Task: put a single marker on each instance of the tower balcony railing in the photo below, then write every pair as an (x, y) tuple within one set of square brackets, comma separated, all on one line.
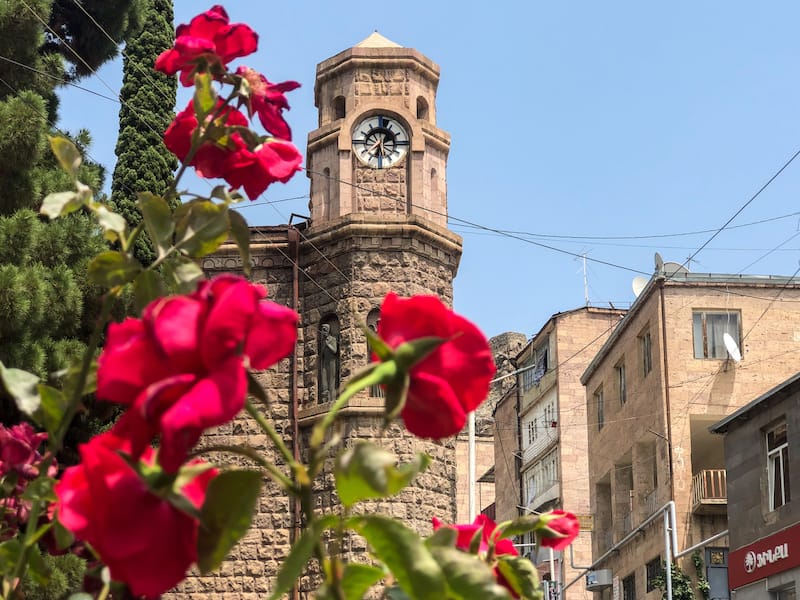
[(709, 491)]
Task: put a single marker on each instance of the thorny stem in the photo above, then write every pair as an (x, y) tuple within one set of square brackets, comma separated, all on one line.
[(253, 455), (267, 428)]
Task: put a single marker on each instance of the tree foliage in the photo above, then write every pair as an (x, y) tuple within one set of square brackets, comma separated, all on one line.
[(143, 162), (45, 311)]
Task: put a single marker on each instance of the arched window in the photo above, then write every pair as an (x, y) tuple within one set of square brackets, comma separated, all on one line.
[(328, 359), (338, 107), (422, 108), (373, 318)]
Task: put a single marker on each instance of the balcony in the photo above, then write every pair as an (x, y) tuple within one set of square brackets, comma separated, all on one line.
[(709, 492)]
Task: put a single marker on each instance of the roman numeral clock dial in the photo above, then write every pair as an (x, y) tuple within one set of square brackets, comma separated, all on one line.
[(380, 142)]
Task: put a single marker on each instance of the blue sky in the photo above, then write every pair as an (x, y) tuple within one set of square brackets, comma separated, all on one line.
[(605, 129)]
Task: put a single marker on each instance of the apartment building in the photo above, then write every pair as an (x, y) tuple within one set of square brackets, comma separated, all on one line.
[(762, 459), (540, 433), (692, 349)]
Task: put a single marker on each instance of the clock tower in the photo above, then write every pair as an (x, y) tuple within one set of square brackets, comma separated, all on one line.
[(378, 215)]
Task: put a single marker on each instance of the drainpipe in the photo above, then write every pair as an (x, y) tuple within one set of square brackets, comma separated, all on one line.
[(667, 409), (293, 238)]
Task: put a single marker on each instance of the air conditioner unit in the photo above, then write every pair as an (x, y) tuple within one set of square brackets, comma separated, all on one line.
[(598, 580)]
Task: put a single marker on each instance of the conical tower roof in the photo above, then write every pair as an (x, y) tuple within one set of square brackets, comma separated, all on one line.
[(376, 40)]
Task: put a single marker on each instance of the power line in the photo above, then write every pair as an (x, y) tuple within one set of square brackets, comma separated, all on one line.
[(61, 80), (741, 209), (143, 71)]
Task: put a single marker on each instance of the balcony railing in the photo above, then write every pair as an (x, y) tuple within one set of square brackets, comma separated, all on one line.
[(709, 491), (651, 502)]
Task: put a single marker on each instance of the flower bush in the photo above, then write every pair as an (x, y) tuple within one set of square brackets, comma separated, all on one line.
[(148, 514)]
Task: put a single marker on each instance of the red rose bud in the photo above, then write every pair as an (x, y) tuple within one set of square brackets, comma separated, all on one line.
[(557, 529)]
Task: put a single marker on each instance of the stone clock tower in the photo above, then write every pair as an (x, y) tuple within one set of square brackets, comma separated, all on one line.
[(378, 208), (377, 223)]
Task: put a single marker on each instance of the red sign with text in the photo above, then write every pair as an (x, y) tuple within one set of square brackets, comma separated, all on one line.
[(768, 556)]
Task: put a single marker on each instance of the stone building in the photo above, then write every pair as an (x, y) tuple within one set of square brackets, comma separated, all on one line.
[(378, 215), (693, 348), (762, 453), (540, 435)]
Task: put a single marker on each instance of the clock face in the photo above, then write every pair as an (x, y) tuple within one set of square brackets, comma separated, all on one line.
[(380, 142)]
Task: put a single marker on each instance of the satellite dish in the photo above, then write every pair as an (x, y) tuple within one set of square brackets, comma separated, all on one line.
[(732, 347), (659, 262), (673, 268), (638, 284)]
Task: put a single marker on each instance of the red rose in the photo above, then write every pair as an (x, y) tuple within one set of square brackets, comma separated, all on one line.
[(486, 526), (209, 158), (453, 379), (144, 540), (255, 170), (268, 101), (210, 37), (560, 529), (181, 367)]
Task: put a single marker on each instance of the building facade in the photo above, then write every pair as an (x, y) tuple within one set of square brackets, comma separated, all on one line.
[(378, 214), (540, 435), (762, 459), (693, 348)]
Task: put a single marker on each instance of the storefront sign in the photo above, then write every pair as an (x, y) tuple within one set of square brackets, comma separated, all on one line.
[(768, 556)]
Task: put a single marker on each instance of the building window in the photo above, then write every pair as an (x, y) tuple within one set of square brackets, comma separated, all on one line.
[(531, 431), (787, 593), (709, 327), (598, 400), (540, 477), (623, 392), (629, 587), (778, 465), (646, 346), (655, 571)]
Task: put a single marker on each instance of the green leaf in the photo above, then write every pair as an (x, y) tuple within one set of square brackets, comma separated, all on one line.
[(10, 552), (241, 235), (410, 353), (23, 388), (60, 203), (183, 273), (405, 555), (521, 575), (67, 154), (40, 489), (367, 471), (54, 407), (301, 552), (157, 220), (147, 286), (358, 578), (467, 575), (72, 375), (113, 225), (444, 536), (226, 514), (377, 345), (205, 97), (202, 228), (38, 569), (110, 269), (519, 526), (63, 536)]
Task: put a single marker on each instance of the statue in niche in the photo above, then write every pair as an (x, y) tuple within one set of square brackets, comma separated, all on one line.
[(373, 318), (328, 363)]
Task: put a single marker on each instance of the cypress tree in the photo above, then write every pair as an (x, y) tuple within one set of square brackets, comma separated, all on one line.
[(143, 162), (47, 304)]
